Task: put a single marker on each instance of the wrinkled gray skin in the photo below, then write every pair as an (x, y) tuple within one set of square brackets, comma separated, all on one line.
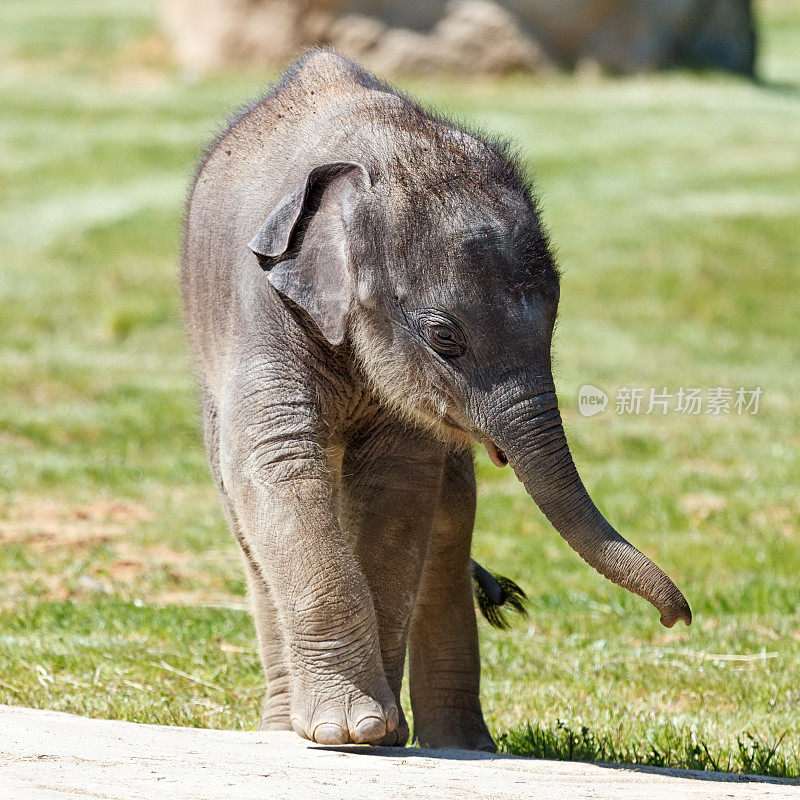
[(368, 291)]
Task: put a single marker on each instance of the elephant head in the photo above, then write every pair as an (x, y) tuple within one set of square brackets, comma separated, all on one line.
[(440, 270)]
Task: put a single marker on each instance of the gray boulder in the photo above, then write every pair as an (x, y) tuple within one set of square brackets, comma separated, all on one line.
[(627, 36), (468, 36)]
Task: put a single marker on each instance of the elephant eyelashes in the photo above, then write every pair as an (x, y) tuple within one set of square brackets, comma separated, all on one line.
[(442, 340), (441, 334)]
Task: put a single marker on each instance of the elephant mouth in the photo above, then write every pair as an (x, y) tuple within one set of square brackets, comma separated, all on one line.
[(498, 457)]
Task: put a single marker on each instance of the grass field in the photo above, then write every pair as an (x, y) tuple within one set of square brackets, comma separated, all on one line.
[(674, 203)]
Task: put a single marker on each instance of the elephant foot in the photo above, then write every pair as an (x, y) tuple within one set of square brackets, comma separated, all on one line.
[(345, 715), (275, 724), (454, 730), (275, 718), (275, 714)]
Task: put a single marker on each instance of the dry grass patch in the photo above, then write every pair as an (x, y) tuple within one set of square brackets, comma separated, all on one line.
[(46, 524)]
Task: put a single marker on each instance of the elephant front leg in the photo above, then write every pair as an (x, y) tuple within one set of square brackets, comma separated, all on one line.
[(443, 650), (282, 496), (391, 476)]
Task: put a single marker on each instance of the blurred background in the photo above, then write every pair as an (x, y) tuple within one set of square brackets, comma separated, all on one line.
[(664, 139), (481, 37)]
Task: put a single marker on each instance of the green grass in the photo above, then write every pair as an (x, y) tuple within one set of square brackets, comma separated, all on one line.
[(674, 203)]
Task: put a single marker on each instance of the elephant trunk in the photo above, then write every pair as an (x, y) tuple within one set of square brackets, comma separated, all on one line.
[(530, 435)]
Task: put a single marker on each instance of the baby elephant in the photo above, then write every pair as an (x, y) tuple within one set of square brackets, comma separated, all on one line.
[(368, 291)]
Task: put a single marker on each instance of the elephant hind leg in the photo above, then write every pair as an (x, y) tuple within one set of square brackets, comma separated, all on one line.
[(275, 710), (443, 648), (275, 713)]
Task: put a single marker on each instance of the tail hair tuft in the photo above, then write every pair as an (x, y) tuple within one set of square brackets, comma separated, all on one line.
[(496, 596)]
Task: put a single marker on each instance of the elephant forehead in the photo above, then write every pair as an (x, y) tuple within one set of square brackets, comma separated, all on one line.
[(477, 249)]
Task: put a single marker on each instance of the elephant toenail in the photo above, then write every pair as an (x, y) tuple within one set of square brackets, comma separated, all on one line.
[(370, 729), (329, 733), (392, 718)]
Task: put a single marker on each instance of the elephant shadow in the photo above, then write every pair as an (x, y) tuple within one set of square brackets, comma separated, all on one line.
[(470, 755)]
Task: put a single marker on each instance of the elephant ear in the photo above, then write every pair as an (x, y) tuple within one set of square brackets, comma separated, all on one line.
[(302, 246)]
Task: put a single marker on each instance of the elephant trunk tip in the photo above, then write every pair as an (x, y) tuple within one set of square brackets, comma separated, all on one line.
[(641, 576), (681, 611)]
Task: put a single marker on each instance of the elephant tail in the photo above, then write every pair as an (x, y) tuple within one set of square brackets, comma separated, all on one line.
[(496, 596)]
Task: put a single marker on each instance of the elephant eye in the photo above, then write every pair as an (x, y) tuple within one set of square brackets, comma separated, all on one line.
[(443, 340), (442, 335)]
